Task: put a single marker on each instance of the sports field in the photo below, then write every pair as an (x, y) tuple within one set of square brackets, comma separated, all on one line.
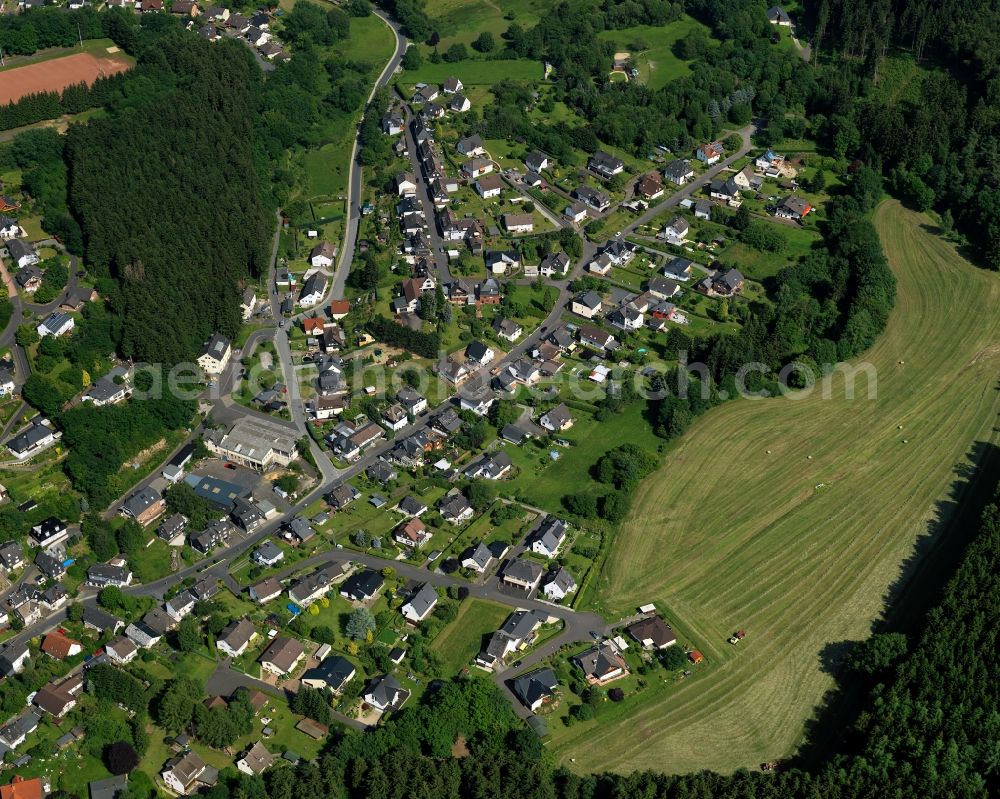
[(57, 73), (794, 519)]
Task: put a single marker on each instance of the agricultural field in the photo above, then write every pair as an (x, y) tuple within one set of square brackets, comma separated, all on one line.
[(54, 70), (772, 516)]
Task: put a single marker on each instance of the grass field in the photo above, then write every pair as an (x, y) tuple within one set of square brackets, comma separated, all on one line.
[(651, 48), (462, 639), (463, 20), (802, 547), (474, 73)]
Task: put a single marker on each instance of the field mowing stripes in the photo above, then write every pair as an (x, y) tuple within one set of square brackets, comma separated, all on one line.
[(800, 551)]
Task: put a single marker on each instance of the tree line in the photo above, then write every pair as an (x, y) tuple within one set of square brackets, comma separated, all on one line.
[(73, 99)]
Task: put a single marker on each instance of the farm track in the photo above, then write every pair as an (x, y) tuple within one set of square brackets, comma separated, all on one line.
[(725, 535)]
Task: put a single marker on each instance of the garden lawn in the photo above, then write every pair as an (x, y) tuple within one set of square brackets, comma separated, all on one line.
[(459, 642)]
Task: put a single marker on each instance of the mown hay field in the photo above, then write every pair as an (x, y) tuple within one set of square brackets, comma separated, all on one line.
[(802, 546)]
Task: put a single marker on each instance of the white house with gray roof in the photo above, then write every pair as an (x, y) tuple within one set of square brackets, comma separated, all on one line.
[(420, 604)]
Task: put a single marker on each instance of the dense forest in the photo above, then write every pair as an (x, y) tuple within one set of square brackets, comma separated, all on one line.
[(168, 194)]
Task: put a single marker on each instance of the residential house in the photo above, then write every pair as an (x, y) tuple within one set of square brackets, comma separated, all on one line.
[(282, 656), (524, 574), (650, 186), (385, 693), (9, 228), (101, 621), (535, 688), (729, 283), (216, 534), (459, 103), (111, 389), (479, 354), (517, 631), (215, 354), (602, 664), (362, 586), (676, 232), (425, 94), (344, 494), (507, 329), (576, 212), (266, 590), (662, 288), (48, 532), (724, 190), (29, 278), (180, 605), (411, 507), (518, 223), (332, 674), (56, 324), (536, 162), (548, 538), (143, 506), (10, 556), (267, 554), (710, 153), (49, 566), (679, 269), (121, 650), (597, 339), (236, 637), (299, 531), (184, 8), (679, 172), (703, 210), (54, 700), (743, 178), (455, 508), (381, 472), (323, 255), (313, 289), (627, 317), (58, 646), (395, 418), (452, 85), (777, 16), (605, 164), (311, 587), (421, 604), (769, 161), (501, 262), (494, 466), (477, 167), (792, 207), (471, 146), (185, 772), (593, 198), (102, 574), (587, 305), (406, 184), (246, 515), (559, 584), (652, 632), (557, 419), (412, 401), (479, 400), (555, 264), (142, 635), (7, 384), (412, 534), (255, 760), (477, 558), (22, 253)]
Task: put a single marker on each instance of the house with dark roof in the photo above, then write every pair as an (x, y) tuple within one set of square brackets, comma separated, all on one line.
[(420, 604), (362, 586), (535, 688), (332, 674), (559, 584), (455, 508), (144, 505), (605, 164), (652, 632), (385, 694), (282, 656), (236, 637), (549, 537), (678, 171), (602, 664), (523, 574), (102, 574)]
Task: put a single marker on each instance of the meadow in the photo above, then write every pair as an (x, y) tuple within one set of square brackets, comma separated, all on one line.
[(652, 49), (459, 642), (800, 520)]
